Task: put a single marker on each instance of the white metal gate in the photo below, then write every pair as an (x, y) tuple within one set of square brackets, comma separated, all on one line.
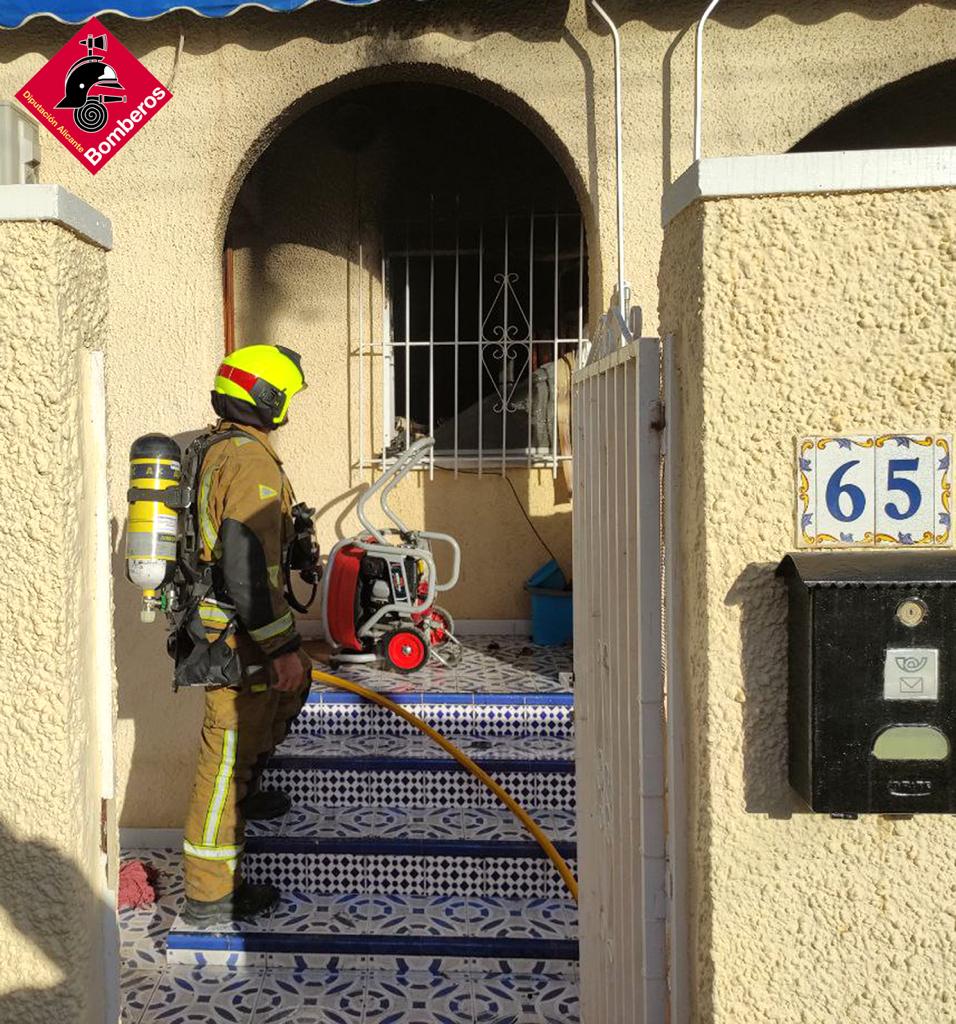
[(619, 710)]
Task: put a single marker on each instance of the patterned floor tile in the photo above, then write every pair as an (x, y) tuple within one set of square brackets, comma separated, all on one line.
[(530, 999), (143, 933), (136, 991), (310, 912), (420, 915), (492, 823), (371, 822), (488, 665), (207, 996), (499, 823), (230, 960), (311, 997), (494, 917), (418, 999)]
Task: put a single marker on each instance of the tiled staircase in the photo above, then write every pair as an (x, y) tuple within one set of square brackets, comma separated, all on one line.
[(409, 894)]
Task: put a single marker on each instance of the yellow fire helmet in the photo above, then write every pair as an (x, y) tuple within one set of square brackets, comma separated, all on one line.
[(264, 377)]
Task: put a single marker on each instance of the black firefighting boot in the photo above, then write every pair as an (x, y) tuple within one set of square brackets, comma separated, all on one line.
[(244, 904), (264, 804)]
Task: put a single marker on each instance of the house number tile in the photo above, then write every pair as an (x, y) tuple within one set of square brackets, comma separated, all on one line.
[(874, 490)]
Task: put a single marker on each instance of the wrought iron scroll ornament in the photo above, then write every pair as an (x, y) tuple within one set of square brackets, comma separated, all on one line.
[(508, 342)]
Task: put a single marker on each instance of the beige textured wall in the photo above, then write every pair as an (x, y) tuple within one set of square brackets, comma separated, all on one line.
[(772, 76), (52, 886), (851, 322)]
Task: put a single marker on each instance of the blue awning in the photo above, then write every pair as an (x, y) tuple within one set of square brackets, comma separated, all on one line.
[(14, 13)]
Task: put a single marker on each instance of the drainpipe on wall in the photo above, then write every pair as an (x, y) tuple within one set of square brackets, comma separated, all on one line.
[(622, 302), (699, 78), (228, 300)]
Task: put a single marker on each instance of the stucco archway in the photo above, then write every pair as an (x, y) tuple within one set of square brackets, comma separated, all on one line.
[(312, 230), (916, 110), (486, 89)]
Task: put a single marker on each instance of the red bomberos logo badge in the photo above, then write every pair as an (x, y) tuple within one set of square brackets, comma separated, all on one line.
[(93, 95)]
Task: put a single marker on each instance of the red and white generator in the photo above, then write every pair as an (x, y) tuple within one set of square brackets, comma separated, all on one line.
[(378, 594)]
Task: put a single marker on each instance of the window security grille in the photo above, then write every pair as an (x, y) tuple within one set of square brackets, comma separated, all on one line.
[(482, 323)]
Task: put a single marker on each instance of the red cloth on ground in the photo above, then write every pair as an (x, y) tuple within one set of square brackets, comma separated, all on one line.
[(136, 884)]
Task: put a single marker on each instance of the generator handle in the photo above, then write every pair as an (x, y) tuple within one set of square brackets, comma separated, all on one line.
[(444, 538), (387, 482)]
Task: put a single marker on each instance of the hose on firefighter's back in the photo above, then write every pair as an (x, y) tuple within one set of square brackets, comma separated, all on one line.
[(466, 762)]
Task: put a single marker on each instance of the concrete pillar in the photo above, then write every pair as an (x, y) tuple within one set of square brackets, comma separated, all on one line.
[(57, 827), (795, 315)]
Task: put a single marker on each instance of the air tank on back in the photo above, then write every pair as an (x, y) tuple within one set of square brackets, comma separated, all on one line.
[(155, 464)]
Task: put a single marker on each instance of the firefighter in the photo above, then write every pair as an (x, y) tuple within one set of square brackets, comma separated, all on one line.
[(244, 510)]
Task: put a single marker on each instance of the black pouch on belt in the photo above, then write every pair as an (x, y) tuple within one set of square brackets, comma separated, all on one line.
[(199, 661)]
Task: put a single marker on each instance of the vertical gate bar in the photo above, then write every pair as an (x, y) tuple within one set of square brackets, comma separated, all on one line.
[(504, 352), (431, 337), (385, 382), (361, 365), (612, 709), (604, 710), (677, 813), (631, 635), (530, 327), (611, 694), (408, 343), (554, 358), (653, 811), (626, 576), (457, 297), (481, 343)]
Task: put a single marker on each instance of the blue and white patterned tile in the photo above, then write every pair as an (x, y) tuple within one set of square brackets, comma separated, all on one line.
[(499, 823), (284, 870), (327, 963), (452, 876), (327, 823), (488, 665), (311, 997), (531, 999), (136, 991), (272, 827), (375, 822), (185, 996), (558, 823), (494, 917), (143, 933), (550, 720), (231, 960), (338, 873), (312, 912), (425, 823), (492, 823), (449, 966), (420, 915), (522, 878), (418, 999)]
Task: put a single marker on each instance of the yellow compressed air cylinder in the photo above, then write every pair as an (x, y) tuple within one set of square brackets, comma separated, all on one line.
[(155, 464)]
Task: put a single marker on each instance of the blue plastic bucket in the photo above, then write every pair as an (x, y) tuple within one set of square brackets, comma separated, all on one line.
[(552, 616)]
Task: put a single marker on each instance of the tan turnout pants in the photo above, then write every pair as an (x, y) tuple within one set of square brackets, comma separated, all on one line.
[(241, 728)]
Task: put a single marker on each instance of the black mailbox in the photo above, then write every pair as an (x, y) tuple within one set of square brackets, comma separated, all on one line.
[(872, 651)]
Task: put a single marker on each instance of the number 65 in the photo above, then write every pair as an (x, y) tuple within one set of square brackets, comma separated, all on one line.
[(836, 489)]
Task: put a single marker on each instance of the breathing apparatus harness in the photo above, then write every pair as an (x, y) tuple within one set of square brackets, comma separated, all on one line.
[(168, 503)]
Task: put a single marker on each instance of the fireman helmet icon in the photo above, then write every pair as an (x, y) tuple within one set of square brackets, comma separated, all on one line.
[(89, 73)]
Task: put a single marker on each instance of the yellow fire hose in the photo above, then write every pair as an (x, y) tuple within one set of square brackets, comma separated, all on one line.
[(466, 762)]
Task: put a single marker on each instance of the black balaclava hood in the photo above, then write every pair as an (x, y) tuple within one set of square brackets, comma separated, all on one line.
[(227, 407)]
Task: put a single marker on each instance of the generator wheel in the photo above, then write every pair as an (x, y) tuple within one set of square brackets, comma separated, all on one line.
[(406, 649), (440, 625)]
